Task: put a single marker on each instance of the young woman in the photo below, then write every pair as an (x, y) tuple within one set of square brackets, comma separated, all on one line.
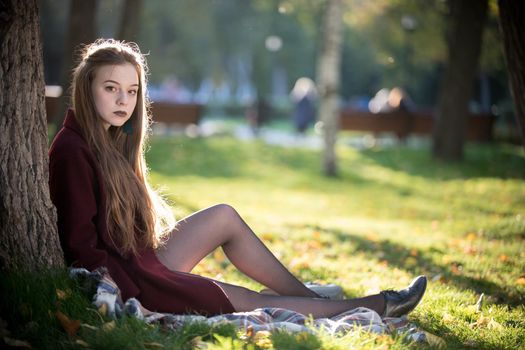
[(108, 215)]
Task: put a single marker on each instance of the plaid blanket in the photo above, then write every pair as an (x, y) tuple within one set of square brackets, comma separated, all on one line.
[(106, 295)]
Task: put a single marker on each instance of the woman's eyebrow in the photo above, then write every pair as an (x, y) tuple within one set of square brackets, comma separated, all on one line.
[(115, 82)]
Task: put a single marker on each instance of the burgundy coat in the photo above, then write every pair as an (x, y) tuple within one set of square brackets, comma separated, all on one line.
[(78, 192)]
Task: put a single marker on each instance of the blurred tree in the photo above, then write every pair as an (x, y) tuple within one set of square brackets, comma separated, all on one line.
[(28, 232), (512, 19), (130, 20), (328, 78), (467, 18), (81, 30)]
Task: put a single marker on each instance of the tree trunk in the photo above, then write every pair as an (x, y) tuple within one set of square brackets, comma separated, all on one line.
[(81, 30), (466, 22), (28, 233), (512, 24), (328, 77), (130, 20)]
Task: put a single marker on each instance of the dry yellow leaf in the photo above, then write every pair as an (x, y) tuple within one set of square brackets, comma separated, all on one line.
[(109, 326), (471, 236), (448, 318), (103, 309), (70, 326), (494, 325), (153, 345), (61, 295), (521, 281), (503, 258), (249, 332), (82, 343), (262, 339)]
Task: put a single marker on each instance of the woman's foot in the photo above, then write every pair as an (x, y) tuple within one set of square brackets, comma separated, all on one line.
[(398, 303)]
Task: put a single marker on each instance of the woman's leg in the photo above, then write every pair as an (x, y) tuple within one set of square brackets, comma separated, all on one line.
[(244, 299), (200, 233)]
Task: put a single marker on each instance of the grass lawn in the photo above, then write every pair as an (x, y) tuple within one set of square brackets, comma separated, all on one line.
[(391, 214)]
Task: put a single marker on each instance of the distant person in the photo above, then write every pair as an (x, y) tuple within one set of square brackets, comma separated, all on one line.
[(399, 100), (109, 215), (386, 100), (258, 114), (303, 95)]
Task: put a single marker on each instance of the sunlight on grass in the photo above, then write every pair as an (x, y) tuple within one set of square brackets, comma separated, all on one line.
[(391, 214)]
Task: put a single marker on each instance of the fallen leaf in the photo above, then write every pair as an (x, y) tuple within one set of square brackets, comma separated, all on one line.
[(471, 236), (196, 342), (262, 339), (521, 281), (70, 326), (414, 252), (503, 258), (82, 343), (481, 322), (446, 259), (249, 332), (372, 236), (494, 325), (383, 263), (17, 343), (314, 245), (455, 269), (218, 255), (268, 237), (448, 318), (434, 340), (88, 326), (470, 250), (153, 345), (61, 295), (411, 261), (103, 309), (108, 326)]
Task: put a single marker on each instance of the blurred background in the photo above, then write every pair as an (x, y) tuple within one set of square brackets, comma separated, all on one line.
[(239, 60)]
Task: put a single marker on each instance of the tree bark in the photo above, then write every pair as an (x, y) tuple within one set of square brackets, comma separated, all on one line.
[(28, 233), (512, 24), (81, 30), (130, 20), (328, 78), (466, 22)]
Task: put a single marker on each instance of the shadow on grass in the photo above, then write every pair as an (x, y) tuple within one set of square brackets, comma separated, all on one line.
[(421, 263), (493, 160)]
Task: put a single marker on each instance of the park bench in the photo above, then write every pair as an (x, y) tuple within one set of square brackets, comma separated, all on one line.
[(404, 123), (176, 114)]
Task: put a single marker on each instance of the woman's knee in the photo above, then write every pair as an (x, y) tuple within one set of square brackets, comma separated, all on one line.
[(225, 213)]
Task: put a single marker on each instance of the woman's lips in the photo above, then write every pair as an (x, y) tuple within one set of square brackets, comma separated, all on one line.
[(121, 113)]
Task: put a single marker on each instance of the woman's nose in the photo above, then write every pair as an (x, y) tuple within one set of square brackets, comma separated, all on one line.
[(122, 98)]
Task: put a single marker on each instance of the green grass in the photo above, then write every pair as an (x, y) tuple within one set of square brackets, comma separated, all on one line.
[(390, 214)]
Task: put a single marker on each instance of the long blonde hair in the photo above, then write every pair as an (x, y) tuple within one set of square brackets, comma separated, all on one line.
[(137, 217)]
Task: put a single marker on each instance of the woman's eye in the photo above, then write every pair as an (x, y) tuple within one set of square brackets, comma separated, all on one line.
[(133, 92), (110, 88)]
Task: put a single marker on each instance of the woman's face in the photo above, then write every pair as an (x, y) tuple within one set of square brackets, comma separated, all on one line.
[(115, 90)]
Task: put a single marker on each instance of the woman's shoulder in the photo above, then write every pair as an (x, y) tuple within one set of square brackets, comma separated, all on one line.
[(69, 143)]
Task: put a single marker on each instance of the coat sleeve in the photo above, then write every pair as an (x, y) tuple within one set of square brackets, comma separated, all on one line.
[(74, 191)]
